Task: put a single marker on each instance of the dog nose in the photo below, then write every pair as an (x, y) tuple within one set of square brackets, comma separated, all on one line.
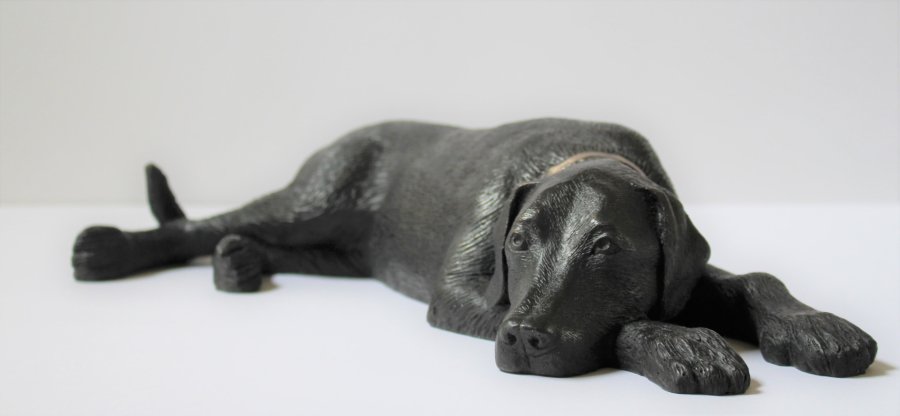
[(533, 339)]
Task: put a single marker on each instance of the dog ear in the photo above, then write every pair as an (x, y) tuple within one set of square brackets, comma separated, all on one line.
[(683, 252), (497, 290)]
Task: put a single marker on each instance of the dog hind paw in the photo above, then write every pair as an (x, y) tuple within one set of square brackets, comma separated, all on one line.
[(102, 253), (239, 265)]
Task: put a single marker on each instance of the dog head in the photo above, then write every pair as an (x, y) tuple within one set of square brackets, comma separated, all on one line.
[(581, 253)]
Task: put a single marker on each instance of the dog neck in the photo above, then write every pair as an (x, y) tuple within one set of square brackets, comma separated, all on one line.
[(578, 157)]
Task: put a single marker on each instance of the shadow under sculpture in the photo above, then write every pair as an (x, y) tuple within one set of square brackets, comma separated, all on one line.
[(561, 240)]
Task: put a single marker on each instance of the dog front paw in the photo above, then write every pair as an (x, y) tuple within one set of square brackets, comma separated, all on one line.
[(682, 360), (102, 253), (816, 342), (239, 264)]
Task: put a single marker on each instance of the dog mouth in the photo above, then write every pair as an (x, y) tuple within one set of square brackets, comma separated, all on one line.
[(524, 347), (551, 363), (527, 356)]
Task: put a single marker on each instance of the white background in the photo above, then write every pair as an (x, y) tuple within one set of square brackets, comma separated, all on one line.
[(777, 121), (744, 101)]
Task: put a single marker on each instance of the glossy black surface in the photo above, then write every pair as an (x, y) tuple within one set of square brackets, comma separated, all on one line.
[(568, 272)]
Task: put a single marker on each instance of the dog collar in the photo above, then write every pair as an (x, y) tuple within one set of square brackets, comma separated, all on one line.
[(578, 157)]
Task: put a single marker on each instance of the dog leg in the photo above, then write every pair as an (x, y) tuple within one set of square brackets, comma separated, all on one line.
[(103, 252), (241, 263), (682, 360), (328, 203), (758, 308), (459, 303), (465, 312)]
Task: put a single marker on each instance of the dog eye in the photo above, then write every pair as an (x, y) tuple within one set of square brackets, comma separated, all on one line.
[(517, 241), (604, 245)]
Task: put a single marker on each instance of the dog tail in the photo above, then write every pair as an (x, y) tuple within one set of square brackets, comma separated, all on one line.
[(162, 202)]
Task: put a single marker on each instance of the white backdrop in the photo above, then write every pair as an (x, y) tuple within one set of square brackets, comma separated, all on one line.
[(744, 101)]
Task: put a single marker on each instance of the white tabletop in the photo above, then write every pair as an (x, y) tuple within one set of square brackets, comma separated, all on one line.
[(167, 343)]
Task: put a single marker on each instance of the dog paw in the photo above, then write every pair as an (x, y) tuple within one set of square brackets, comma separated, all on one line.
[(701, 362), (239, 264), (102, 253), (683, 360), (818, 343)]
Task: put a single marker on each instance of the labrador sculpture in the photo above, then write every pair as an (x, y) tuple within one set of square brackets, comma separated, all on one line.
[(561, 240)]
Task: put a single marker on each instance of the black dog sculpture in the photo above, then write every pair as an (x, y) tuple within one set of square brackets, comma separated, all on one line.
[(562, 240)]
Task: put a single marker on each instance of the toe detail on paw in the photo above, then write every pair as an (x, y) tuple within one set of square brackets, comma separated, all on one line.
[(818, 343), (101, 253), (239, 265), (698, 361), (716, 377)]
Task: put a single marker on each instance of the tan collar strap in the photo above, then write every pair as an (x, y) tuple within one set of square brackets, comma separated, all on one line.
[(578, 157)]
